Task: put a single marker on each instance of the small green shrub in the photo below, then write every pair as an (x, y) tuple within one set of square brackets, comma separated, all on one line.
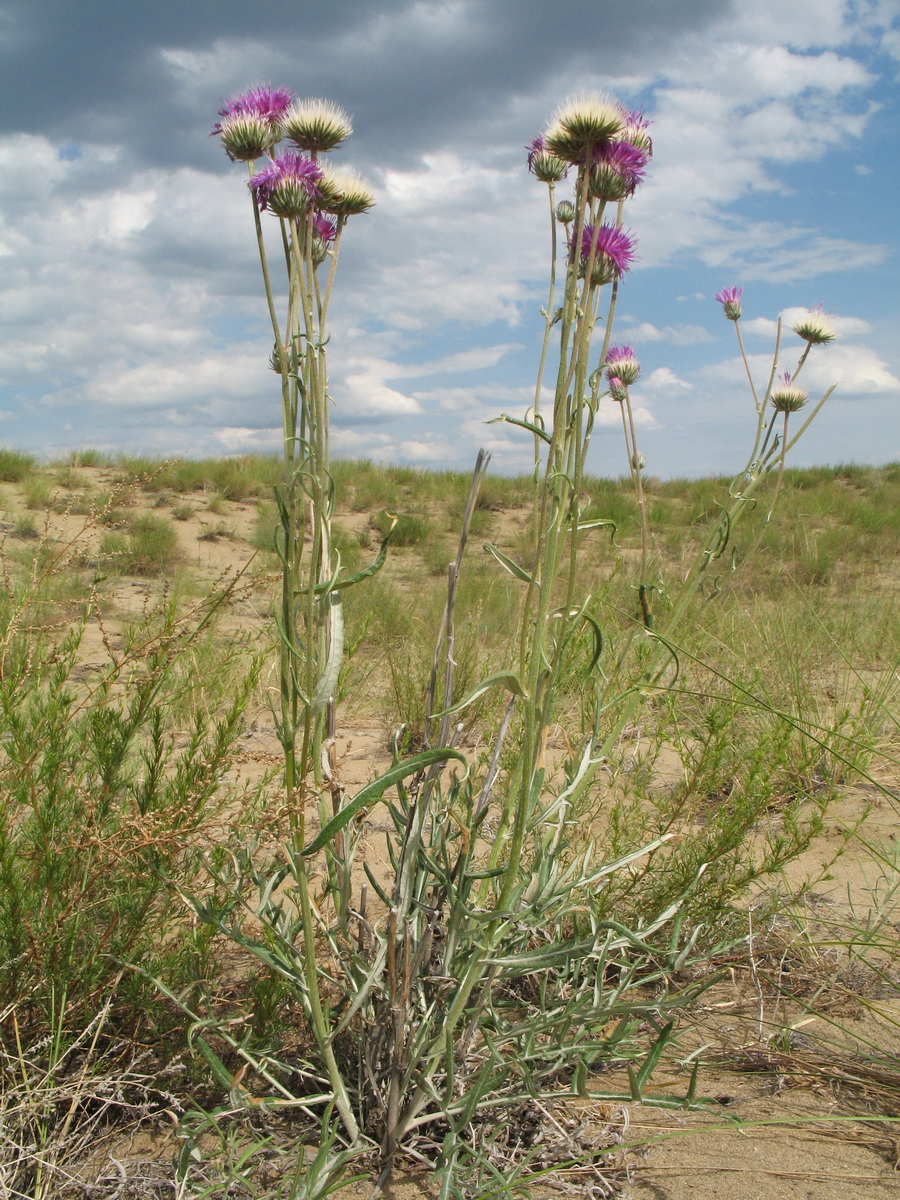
[(104, 792)]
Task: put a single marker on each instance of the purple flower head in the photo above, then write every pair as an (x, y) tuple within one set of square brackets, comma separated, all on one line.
[(786, 396), (635, 131), (614, 252), (730, 299), (534, 148), (324, 227), (543, 164), (618, 167), (269, 103), (251, 123), (287, 185), (621, 362)]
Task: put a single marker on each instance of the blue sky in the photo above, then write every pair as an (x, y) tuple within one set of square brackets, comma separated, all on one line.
[(131, 312)]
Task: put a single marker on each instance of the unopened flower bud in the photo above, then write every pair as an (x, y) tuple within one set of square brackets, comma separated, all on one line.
[(565, 212), (787, 397), (618, 389), (638, 461)]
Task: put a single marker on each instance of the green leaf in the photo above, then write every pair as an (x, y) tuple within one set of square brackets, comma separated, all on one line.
[(507, 679), (598, 640), (508, 564), (599, 523), (537, 430), (375, 790), (373, 568)]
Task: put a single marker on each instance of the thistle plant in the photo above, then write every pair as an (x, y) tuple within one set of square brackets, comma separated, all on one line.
[(481, 968), (311, 204)]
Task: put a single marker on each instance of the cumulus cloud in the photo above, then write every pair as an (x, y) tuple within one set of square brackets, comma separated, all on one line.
[(663, 379), (677, 335), (130, 292), (856, 370)]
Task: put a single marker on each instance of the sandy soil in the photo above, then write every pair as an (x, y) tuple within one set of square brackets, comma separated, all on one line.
[(774, 1130)]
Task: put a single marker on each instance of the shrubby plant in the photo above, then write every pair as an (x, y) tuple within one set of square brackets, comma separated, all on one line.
[(484, 968)]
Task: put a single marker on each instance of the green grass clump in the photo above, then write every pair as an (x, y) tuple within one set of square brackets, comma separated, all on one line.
[(15, 465), (410, 529), (38, 491), (149, 547), (232, 478)]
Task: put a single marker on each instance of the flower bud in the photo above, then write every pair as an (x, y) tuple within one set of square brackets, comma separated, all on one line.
[(618, 389), (638, 461), (565, 212)]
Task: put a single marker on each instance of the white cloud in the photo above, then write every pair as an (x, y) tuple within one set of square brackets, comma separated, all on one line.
[(843, 326), (663, 379), (677, 335), (365, 394), (759, 326), (856, 370), (238, 440), (490, 399), (132, 295)]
